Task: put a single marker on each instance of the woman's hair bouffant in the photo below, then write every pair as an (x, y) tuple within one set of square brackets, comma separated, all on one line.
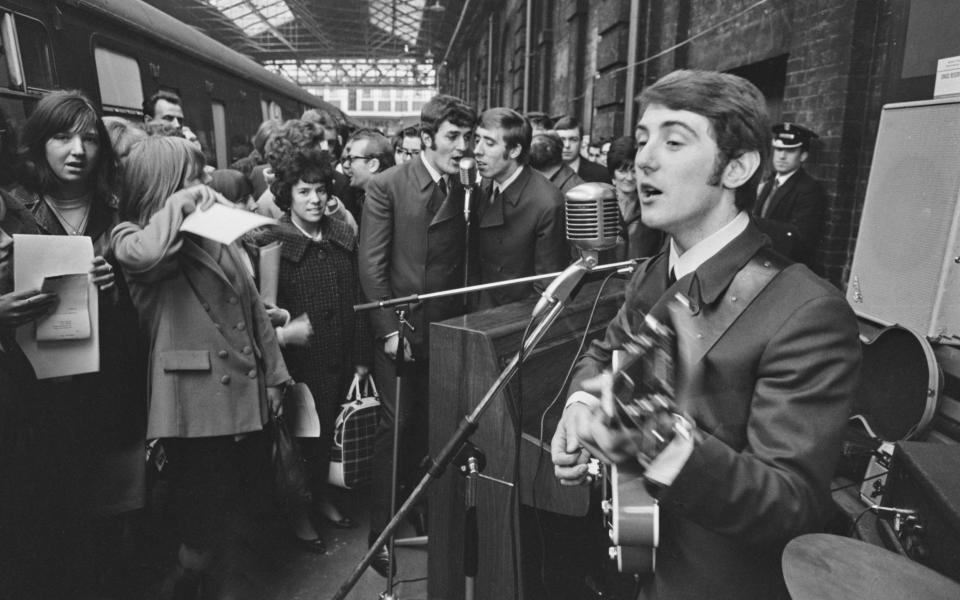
[(309, 166)]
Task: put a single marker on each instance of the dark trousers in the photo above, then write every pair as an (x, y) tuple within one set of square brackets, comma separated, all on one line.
[(212, 479), (413, 420)]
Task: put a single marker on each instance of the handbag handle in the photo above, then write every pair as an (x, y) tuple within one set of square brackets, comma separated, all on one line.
[(355, 393)]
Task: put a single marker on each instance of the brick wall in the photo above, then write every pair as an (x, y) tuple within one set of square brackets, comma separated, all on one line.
[(837, 55)]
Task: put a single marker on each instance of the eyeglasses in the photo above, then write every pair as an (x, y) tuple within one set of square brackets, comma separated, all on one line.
[(408, 153), (349, 159)]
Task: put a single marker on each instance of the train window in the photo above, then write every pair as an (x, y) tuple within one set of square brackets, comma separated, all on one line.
[(220, 133), (35, 54), (275, 111), (11, 73), (119, 75)]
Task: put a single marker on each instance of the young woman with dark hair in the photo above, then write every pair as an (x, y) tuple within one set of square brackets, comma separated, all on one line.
[(89, 463), (318, 277)]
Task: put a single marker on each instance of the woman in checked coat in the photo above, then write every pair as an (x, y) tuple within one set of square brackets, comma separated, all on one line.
[(318, 277)]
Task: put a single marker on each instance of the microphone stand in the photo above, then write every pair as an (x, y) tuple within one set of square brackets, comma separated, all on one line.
[(467, 196), (553, 305)]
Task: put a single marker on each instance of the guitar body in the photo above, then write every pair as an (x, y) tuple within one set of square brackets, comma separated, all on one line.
[(634, 521)]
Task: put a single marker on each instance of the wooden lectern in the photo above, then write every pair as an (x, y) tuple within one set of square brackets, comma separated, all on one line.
[(466, 356)]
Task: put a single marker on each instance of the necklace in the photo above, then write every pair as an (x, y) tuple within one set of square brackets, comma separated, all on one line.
[(80, 205)]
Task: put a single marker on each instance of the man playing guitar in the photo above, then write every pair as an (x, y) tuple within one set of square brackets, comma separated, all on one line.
[(766, 364)]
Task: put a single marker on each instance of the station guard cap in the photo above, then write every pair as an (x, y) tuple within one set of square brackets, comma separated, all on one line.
[(791, 135)]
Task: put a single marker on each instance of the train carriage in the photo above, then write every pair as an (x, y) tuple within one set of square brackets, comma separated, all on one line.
[(119, 52)]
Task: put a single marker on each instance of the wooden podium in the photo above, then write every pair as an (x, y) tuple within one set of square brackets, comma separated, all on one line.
[(466, 355)]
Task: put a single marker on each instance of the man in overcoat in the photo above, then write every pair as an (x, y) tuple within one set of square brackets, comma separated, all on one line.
[(792, 203), (413, 242), (521, 219), (767, 355)]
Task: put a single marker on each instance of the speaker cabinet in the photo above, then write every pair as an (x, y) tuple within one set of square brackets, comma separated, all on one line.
[(906, 265)]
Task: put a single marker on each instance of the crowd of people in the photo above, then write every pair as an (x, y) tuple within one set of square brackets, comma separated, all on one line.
[(195, 366)]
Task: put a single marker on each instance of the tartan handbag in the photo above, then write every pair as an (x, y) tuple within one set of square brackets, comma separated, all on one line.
[(351, 457)]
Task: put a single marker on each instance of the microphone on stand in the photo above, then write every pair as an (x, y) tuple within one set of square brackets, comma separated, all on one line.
[(593, 223), (468, 179)]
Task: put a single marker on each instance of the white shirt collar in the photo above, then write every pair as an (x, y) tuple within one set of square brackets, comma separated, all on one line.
[(511, 179), (781, 179), (575, 163), (315, 238), (705, 249), (435, 175)]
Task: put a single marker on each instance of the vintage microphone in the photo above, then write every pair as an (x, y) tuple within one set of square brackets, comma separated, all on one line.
[(593, 224), (468, 179)]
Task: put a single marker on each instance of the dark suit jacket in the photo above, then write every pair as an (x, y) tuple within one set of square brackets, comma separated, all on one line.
[(565, 178), (412, 242), (591, 171), (770, 400), (799, 208), (522, 233)]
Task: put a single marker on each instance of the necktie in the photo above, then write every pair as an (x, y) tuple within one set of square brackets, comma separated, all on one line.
[(767, 197), (442, 184), (671, 277), (495, 195)]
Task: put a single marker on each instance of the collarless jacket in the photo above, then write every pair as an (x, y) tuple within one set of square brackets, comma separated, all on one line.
[(520, 233), (213, 351), (412, 242), (770, 398)]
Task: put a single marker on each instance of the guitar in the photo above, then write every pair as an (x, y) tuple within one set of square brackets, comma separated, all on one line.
[(642, 405)]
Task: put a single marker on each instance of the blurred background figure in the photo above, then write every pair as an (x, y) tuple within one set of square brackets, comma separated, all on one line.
[(636, 239)]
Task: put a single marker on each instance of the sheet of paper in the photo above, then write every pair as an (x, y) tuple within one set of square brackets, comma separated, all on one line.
[(269, 272), (36, 257), (70, 319), (223, 224)]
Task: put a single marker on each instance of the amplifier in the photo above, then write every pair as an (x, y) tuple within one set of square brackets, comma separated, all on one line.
[(925, 478)]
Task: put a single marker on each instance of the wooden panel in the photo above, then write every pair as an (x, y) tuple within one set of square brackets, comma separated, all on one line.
[(466, 356)]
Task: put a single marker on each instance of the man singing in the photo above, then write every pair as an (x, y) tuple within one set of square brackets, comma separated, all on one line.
[(521, 230), (771, 354), (413, 242)]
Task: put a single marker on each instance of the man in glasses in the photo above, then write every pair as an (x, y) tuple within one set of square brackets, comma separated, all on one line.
[(367, 152), (406, 145)]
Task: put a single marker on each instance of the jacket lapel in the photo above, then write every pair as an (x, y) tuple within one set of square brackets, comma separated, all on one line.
[(782, 192), (494, 213)]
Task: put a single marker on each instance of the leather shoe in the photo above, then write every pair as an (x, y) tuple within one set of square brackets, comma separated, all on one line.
[(381, 562), (344, 523), (315, 546)]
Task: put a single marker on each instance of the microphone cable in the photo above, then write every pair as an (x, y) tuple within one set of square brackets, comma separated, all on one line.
[(543, 416)]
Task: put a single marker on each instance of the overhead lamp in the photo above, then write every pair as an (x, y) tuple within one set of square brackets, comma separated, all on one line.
[(436, 7)]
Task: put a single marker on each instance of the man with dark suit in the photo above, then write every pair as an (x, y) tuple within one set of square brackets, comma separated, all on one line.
[(413, 241), (521, 225), (792, 204), (546, 157), (571, 134), (767, 355)]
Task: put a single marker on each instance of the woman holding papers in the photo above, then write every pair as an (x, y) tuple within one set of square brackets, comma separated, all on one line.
[(90, 427), (318, 278), (215, 369)]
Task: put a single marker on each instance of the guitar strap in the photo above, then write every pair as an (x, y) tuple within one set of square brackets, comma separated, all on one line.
[(698, 332)]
